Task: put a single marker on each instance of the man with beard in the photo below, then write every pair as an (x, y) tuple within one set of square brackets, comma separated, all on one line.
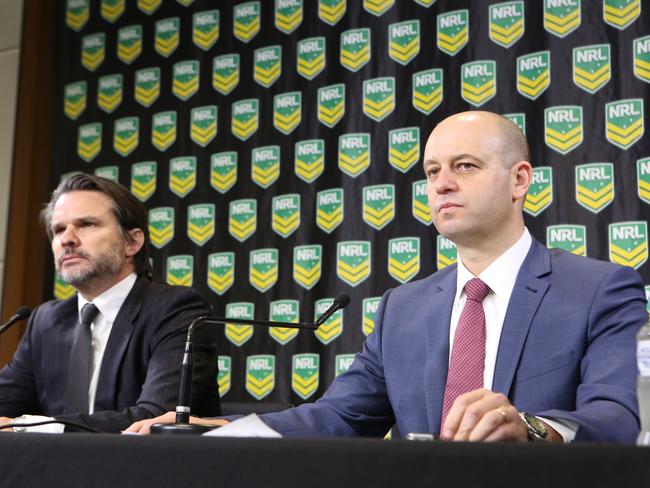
[(110, 355)]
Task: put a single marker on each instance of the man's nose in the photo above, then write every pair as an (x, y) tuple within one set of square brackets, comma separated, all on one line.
[(445, 181), (69, 237)]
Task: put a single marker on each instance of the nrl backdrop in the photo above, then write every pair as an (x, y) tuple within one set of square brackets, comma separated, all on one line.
[(278, 147)]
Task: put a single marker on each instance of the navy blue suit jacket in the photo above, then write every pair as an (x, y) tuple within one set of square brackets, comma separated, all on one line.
[(567, 350)]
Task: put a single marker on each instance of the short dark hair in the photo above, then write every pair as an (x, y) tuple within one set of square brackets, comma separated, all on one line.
[(129, 212)]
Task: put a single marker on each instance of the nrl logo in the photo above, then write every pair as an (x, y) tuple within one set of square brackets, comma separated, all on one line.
[(343, 362), (260, 375), (186, 79), (129, 43), (111, 10), (519, 120), (77, 13), (331, 11), (284, 311), (571, 238), (245, 117), (404, 42), (221, 271), (200, 223), (309, 161), (242, 219), (369, 307), (307, 265), (161, 226), (167, 36), (93, 51), (540, 192), (205, 29), (378, 98), (304, 374), (404, 148), (286, 214), (223, 170), (288, 15), (287, 111), (625, 124), (333, 327), (180, 270), (246, 20), (331, 104), (109, 92), (265, 162), (533, 74), (561, 17), (268, 65), (427, 90), (185, 3), (143, 180), (63, 290), (628, 243), (446, 252), (353, 261), (147, 86), (75, 99), (89, 141), (621, 13), (641, 48), (149, 6), (453, 31), (204, 124), (404, 258), (126, 133), (225, 73), (235, 333), (563, 128), (182, 175), (506, 23), (355, 49), (109, 172), (224, 376), (354, 153), (329, 209), (263, 269), (595, 185), (643, 179), (377, 7), (420, 202), (311, 57), (591, 67), (479, 82), (378, 205), (163, 130)]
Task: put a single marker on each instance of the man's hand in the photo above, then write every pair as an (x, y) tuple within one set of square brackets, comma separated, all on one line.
[(143, 426), (4, 421)]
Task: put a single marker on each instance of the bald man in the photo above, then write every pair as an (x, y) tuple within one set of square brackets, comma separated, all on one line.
[(515, 342)]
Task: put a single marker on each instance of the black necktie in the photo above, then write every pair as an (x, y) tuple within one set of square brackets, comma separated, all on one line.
[(79, 365)]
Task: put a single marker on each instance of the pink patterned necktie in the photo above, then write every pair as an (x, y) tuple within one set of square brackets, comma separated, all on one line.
[(468, 351)]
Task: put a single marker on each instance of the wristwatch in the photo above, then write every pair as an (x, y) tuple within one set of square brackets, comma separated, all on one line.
[(537, 431)]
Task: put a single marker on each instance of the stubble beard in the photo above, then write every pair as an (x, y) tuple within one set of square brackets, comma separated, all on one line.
[(98, 267)]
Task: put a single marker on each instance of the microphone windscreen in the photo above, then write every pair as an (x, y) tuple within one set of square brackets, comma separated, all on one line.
[(23, 312), (343, 300)]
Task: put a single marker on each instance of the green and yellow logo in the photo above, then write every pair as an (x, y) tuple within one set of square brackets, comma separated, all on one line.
[(223, 170), (242, 219), (268, 65), (329, 209), (287, 111), (260, 374), (563, 128), (109, 92), (161, 226), (149, 6), (63, 290), (540, 192), (404, 41), (77, 13), (311, 57), (265, 165), (355, 49), (129, 43), (163, 130), (109, 172), (343, 361), (167, 36), (288, 15), (628, 243), (221, 271), (378, 205), (427, 90), (643, 179), (571, 238), (425, 3), (479, 82), (354, 153), (621, 13), (331, 104), (309, 160), (284, 311), (446, 252), (625, 123), (111, 10), (307, 265), (519, 119), (75, 99), (404, 258), (147, 86), (225, 73), (353, 261), (453, 31), (224, 376), (286, 214), (180, 270), (200, 222), (304, 374), (333, 327), (236, 333), (331, 11), (533, 74), (506, 23), (185, 3), (143, 180), (186, 79), (126, 132), (642, 58), (182, 175), (246, 20), (245, 118), (595, 185), (263, 269), (204, 124), (561, 17), (377, 7), (89, 141), (420, 202), (205, 29), (592, 67), (404, 148), (378, 98), (93, 50), (369, 313)]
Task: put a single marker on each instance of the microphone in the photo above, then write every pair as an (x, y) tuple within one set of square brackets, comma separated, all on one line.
[(182, 425), (22, 313)]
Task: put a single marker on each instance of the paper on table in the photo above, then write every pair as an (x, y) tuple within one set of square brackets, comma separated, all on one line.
[(249, 426)]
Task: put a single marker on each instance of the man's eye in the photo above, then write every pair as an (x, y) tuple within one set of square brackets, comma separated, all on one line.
[(431, 172), (465, 165)]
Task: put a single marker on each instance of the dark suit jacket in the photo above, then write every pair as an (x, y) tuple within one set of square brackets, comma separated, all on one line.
[(139, 373), (567, 350)]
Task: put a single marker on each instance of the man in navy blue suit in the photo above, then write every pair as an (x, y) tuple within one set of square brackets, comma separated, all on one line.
[(515, 342)]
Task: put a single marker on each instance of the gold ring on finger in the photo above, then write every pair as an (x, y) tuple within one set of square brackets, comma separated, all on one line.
[(504, 414)]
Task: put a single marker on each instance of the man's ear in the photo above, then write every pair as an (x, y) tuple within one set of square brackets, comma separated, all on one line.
[(134, 242), (522, 172)]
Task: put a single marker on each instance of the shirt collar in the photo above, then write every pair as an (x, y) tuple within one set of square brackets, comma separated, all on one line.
[(110, 302)]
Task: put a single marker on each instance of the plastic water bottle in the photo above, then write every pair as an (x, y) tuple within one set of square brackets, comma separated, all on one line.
[(643, 383)]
